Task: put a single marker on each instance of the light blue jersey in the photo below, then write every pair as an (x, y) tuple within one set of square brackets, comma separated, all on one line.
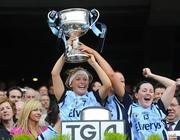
[(71, 106), (146, 121), (48, 134)]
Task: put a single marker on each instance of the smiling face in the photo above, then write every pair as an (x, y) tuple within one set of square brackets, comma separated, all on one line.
[(145, 95), (36, 114), (6, 111), (80, 84)]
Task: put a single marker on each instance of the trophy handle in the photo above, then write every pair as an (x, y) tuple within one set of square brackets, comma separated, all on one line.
[(52, 17), (94, 12)]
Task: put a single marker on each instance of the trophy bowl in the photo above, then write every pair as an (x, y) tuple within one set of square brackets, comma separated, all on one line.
[(74, 23)]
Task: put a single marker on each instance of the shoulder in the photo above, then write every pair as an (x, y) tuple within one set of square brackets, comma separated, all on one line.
[(92, 93), (67, 93), (127, 101), (4, 134)]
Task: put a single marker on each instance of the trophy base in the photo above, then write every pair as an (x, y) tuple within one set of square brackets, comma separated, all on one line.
[(76, 58)]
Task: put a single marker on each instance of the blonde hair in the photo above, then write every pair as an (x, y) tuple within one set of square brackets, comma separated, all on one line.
[(28, 107), (71, 72)]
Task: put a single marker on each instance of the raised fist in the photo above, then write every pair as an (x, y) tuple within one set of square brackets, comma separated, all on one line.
[(146, 72)]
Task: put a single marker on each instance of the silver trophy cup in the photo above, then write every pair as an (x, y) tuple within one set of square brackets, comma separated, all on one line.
[(75, 22)]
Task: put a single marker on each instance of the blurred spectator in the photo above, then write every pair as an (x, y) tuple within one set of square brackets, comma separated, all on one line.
[(173, 118), (45, 101), (7, 111), (28, 122), (30, 93), (2, 94), (43, 90), (173, 111), (14, 94), (158, 91)]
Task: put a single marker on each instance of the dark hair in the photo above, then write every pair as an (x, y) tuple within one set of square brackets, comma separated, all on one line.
[(14, 88), (53, 114), (137, 87), (159, 85), (93, 84)]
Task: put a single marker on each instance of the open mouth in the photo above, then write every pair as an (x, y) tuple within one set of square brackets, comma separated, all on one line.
[(147, 98), (81, 87)]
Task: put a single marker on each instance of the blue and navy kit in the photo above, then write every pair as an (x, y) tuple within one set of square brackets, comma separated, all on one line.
[(147, 121), (118, 111), (71, 105), (113, 104)]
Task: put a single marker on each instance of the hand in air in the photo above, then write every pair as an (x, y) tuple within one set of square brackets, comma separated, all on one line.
[(146, 72)]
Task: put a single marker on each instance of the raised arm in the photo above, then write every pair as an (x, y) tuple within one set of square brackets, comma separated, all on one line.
[(168, 83), (115, 80), (58, 85), (106, 83)]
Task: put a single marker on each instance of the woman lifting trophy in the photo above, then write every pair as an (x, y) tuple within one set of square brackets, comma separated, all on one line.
[(74, 23)]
